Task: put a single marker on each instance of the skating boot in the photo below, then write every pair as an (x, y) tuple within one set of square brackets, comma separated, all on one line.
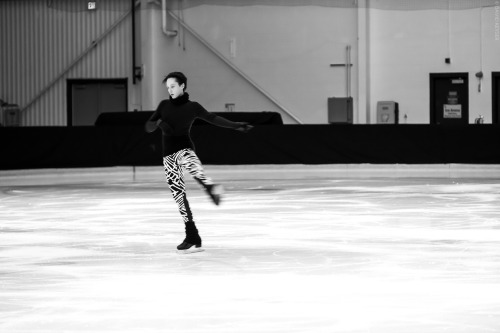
[(192, 242)]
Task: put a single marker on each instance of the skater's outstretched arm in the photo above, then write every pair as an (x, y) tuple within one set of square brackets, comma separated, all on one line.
[(239, 126), (223, 122)]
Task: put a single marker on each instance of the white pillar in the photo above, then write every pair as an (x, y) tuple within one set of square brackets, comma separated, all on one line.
[(364, 100), (150, 35)]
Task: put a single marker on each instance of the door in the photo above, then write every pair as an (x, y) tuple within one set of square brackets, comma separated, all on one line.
[(449, 104), (496, 97), (87, 99)]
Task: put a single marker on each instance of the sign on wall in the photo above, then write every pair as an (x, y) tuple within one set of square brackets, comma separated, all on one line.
[(452, 111)]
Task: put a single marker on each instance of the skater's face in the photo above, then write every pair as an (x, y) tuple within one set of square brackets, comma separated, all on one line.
[(174, 89)]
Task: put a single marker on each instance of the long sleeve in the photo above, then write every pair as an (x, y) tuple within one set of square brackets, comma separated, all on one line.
[(152, 123), (175, 120), (223, 122), (216, 120), (151, 126)]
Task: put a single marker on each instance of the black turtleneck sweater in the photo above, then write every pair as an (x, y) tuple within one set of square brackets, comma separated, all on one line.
[(175, 118)]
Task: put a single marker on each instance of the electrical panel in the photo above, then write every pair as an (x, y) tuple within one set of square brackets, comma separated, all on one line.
[(387, 112), (340, 110), (10, 115)]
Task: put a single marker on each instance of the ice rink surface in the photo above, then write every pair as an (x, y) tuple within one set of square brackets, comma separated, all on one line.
[(291, 249)]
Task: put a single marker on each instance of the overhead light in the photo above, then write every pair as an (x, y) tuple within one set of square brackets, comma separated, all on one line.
[(92, 5)]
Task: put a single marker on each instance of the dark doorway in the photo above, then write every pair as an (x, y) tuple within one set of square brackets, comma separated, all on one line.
[(87, 99), (495, 78), (449, 98)]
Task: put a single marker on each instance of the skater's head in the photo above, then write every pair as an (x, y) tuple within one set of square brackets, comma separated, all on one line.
[(176, 83)]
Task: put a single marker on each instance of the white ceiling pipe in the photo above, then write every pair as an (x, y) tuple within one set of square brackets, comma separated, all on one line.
[(164, 16)]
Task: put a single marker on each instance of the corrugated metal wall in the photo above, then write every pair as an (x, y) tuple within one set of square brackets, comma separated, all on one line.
[(375, 4), (41, 39)]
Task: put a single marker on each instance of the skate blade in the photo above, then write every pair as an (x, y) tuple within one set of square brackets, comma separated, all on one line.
[(218, 190), (191, 250)]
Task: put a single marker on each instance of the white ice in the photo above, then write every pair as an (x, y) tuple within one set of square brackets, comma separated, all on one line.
[(291, 249)]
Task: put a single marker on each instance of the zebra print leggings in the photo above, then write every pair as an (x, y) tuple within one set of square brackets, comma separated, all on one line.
[(175, 165)]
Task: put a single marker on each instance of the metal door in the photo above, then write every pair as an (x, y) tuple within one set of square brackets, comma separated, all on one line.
[(495, 76), (87, 99), (449, 104)]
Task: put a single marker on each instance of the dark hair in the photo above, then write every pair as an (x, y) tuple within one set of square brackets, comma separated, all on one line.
[(178, 76)]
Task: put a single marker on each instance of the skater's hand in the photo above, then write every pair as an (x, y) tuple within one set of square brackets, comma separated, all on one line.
[(150, 126), (165, 128), (244, 127)]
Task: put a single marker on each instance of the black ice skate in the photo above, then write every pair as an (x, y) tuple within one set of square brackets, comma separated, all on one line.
[(215, 192), (187, 247), (192, 242)]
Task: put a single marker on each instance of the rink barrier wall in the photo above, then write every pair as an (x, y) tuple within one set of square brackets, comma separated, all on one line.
[(271, 172), (84, 147)]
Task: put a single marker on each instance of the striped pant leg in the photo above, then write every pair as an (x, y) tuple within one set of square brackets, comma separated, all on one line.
[(190, 161), (174, 173)]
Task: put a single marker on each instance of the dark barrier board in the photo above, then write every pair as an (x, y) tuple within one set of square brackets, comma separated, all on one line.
[(132, 118), (67, 147)]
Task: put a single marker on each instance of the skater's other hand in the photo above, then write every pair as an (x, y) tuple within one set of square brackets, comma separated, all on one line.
[(244, 127)]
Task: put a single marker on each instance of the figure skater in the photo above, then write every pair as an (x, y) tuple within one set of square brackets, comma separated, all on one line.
[(174, 117)]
